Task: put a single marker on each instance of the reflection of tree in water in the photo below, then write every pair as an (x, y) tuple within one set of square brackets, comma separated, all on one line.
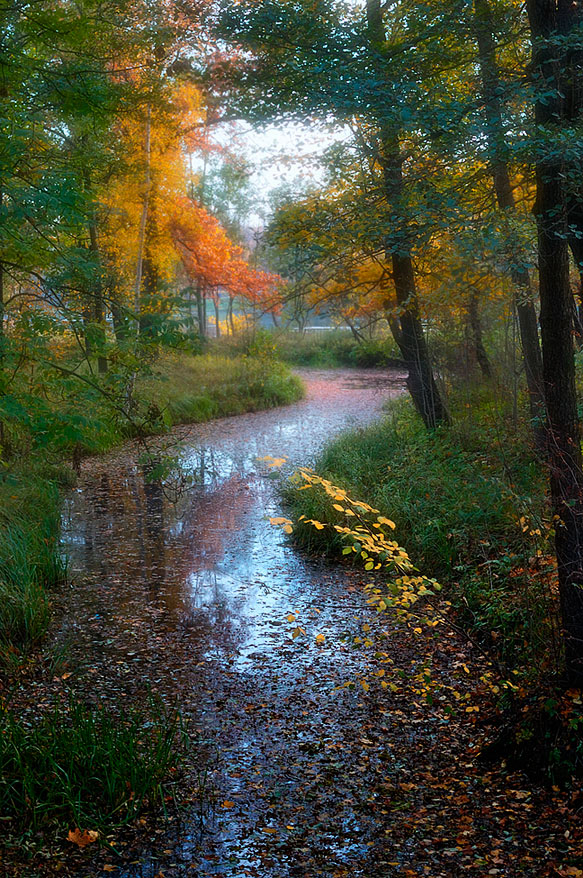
[(211, 616), (137, 545)]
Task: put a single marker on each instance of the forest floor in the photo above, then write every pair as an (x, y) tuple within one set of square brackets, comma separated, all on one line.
[(302, 762)]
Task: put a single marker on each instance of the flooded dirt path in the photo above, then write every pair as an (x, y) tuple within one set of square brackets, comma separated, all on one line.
[(192, 598), (297, 770)]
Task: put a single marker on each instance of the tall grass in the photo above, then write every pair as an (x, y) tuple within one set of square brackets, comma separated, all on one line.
[(85, 767), (30, 561), (185, 389), (317, 349)]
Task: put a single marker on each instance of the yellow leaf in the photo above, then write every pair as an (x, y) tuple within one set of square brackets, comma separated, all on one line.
[(290, 617), (320, 638), (288, 529), (227, 804), (382, 520), (338, 507), (109, 867)]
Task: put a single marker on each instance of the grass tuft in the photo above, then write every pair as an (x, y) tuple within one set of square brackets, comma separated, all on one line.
[(86, 767)]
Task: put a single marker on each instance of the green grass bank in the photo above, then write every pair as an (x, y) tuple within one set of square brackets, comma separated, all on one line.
[(469, 505)]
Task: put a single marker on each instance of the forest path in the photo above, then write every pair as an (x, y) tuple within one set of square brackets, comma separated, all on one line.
[(297, 774)]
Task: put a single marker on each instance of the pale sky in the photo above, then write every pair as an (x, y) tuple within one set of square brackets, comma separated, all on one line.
[(286, 153)]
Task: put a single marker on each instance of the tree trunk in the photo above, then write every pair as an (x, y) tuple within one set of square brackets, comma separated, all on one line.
[(398, 246), (549, 20), (477, 339), (230, 316), (200, 312), (524, 298), (143, 221), (217, 317)]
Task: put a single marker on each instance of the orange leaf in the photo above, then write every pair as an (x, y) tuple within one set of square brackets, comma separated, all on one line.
[(82, 837)]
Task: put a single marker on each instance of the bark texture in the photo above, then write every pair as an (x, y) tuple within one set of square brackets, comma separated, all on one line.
[(410, 338), (550, 19)]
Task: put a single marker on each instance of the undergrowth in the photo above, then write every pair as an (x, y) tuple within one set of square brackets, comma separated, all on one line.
[(469, 504), (323, 349), (30, 560), (85, 767), (185, 389)]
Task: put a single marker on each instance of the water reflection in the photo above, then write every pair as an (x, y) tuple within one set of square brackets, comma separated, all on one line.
[(176, 586)]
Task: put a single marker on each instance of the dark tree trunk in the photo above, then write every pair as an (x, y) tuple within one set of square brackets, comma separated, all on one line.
[(217, 317), (411, 341), (548, 20), (398, 246), (200, 313), (524, 298), (477, 339)]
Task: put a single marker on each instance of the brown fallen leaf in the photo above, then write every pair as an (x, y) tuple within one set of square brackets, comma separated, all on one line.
[(227, 804), (82, 837)]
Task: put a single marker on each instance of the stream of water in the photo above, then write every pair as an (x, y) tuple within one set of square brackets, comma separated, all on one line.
[(190, 594)]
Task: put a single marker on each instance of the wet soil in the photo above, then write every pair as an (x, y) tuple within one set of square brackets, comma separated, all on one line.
[(293, 773)]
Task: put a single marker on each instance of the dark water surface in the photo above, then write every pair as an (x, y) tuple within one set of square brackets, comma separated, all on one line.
[(191, 593)]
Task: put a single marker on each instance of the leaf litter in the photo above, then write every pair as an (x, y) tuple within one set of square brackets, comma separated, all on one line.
[(304, 763)]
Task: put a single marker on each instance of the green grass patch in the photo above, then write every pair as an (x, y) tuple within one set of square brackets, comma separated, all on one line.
[(30, 560), (324, 349), (334, 348), (86, 767), (190, 389)]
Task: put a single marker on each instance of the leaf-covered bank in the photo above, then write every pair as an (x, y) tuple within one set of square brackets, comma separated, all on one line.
[(44, 773), (469, 505)]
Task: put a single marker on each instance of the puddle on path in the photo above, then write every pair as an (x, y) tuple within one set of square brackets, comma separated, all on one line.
[(192, 596)]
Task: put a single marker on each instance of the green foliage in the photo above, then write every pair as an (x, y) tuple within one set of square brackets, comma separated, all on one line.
[(85, 766), (187, 389), (334, 348)]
